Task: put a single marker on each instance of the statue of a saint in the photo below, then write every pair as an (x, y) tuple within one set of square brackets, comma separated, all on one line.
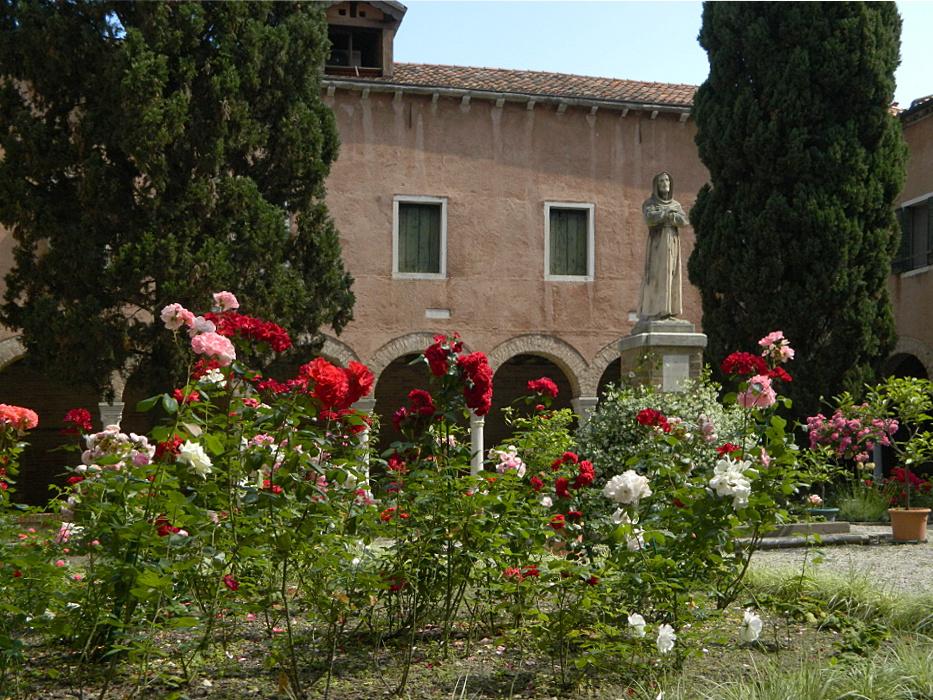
[(661, 287)]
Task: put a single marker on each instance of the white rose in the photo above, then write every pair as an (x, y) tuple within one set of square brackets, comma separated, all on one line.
[(192, 454), (627, 488), (666, 638), (751, 627), (638, 624)]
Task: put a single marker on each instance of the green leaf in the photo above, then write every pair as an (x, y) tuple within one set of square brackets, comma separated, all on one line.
[(169, 404), (147, 404), (182, 622), (214, 445)]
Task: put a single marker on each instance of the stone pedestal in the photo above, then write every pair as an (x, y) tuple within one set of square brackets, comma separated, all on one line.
[(665, 353)]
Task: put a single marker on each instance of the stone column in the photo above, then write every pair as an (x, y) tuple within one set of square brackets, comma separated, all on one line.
[(584, 406), (111, 413), (365, 405), (477, 446), (665, 353)]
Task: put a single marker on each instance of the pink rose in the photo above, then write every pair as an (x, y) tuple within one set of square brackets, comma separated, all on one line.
[(759, 393), (225, 301), (200, 325), (175, 316), (215, 346)]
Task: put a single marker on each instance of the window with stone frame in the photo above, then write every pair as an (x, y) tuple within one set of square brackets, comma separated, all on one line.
[(916, 222), (568, 245), (420, 237)]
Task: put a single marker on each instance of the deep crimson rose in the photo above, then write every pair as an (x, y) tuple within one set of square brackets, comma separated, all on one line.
[(230, 582), (437, 358), (593, 580), (727, 449), (574, 515), (562, 488), (744, 363), (168, 449), (478, 386), (396, 464), (556, 464), (188, 398), (330, 383), (648, 416), (272, 386), (531, 571), (77, 420), (421, 403), (231, 324), (543, 386), (569, 458), (398, 418), (586, 475), (557, 522), (536, 483), (779, 373)]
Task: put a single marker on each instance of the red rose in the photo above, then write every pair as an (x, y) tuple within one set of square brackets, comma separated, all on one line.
[(330, 383), (727, 449), (77, 420), (562, 487), (478, 387), (230, 582), (359, 382), (543, 386), (779, 373), (536, 483), (188, 398), (744, 363), (557, 522)]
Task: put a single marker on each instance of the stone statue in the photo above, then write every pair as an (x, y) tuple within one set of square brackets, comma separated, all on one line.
[(661, 287)]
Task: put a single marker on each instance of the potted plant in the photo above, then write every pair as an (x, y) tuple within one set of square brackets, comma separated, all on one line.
[(909, 402), (840, 445)]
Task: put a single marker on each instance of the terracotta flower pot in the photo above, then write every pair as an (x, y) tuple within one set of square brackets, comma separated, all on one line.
[(909, 525)]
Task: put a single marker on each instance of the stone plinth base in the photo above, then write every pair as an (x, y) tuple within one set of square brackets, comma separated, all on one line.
[(666, 354)]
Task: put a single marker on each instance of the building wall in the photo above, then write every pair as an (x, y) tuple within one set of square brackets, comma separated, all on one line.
[(912, 292), (497, 166)]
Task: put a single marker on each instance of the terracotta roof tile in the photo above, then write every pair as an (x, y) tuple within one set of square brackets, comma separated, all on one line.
[(535, 83)]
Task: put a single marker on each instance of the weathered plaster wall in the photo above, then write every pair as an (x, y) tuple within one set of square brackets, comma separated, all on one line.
[(498, 166), (912, 292)]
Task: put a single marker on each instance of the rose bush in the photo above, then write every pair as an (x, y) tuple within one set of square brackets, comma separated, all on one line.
[(256, 501)]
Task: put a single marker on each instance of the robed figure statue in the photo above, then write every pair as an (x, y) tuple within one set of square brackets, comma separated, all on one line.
[(661, 287)]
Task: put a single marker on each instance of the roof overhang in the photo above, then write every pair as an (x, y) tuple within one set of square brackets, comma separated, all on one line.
[(529, 99)]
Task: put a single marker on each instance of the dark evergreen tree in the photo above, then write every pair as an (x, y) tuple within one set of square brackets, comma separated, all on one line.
[(796, 229), (152, 152)]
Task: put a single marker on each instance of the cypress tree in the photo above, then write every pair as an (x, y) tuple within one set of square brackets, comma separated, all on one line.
[(796, 230), (153, 152)]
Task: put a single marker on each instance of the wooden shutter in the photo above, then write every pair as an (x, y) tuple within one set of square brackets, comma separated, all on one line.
[(419, 237), (902, 259), (929, 237), (568, 242)]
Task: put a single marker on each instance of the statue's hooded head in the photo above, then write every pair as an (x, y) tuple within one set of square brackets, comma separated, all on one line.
[(658, 187)]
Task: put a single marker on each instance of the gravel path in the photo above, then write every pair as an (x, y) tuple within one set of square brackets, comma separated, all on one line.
[(907, 568)]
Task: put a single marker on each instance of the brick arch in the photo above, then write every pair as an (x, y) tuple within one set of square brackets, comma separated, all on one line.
[(557, 351), (11, 350), (398, 347), (909, 346), (339, 352), (589, 384)]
